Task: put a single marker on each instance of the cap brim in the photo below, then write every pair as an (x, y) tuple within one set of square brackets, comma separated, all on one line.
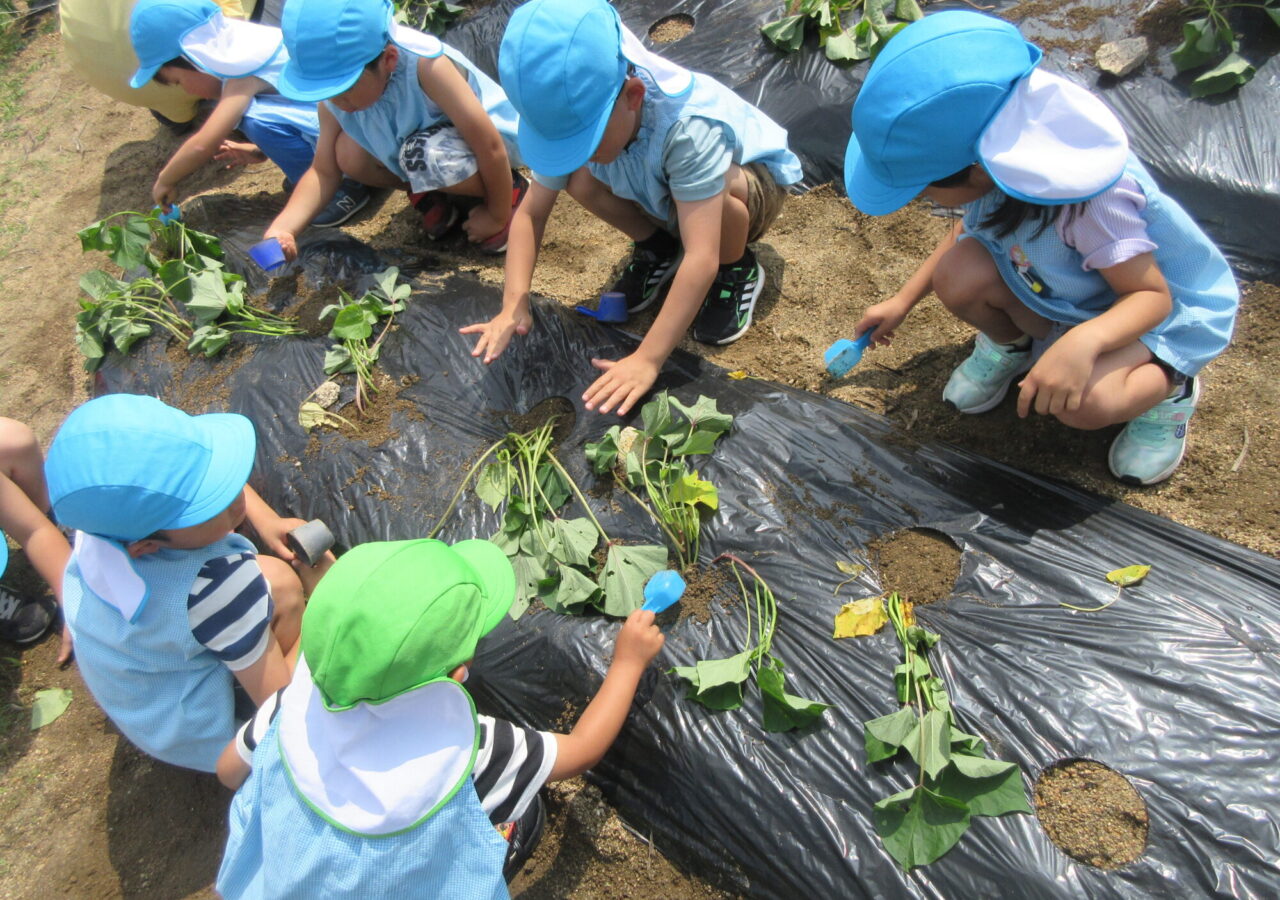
[(297, 87), (866, 192), (143, 75), (496, 576), (562, 155), (232, 448)]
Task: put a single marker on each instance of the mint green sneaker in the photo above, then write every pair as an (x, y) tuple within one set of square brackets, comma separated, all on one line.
[(981, 381), (1152, 445)]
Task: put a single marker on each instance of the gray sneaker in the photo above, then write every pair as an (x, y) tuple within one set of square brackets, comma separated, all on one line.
[(23, 619), (349, 200)]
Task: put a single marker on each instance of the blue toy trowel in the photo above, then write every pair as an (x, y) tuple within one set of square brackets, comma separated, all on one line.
[(662, 590), (173, 215), (844, 354)]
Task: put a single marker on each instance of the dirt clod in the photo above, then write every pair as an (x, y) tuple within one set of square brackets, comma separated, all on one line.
[(1092, 813), (919, 563)]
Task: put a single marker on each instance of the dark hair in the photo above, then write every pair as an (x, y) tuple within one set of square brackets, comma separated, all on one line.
[(178, 62), (1012, 213)]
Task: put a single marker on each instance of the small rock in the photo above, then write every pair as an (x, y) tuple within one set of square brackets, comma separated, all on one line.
[(1119, 58), (327, 394)]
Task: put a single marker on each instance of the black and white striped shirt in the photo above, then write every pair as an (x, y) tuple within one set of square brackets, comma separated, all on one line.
[(512, 763)]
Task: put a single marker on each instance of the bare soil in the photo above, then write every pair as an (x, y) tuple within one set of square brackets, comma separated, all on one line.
[(919, 563), (85, 816), (1092, 813)]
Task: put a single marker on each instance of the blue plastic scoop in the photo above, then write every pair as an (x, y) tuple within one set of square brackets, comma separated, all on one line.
[(844, 354), (173, 215), (662, 590), (612, 308)]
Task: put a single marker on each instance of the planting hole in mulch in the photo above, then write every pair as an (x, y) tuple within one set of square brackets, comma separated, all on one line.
[(561, 408), (919, 563), (291, 295), (703, 585), (670, 29), (1092, 813)]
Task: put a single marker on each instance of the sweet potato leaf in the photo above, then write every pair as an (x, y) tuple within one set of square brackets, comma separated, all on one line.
[(783, 711), (626, 569), (989, 787), (919, 825), (883, 737)]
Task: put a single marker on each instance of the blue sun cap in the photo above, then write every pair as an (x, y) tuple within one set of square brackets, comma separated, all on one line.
[(561, 65), (125, 466), (329, 43), (926, 102), (156, 29)]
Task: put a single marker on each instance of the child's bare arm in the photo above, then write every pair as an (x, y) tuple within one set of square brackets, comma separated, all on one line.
[(201, 146), (266, 676), (887, 315), (627, 380), (314, 189), (638, 643), (40, 539), (232, 770), (528, 224)]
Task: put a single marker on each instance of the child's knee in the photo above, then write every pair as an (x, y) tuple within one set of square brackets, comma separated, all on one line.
[(17, 443), (966, 274), (583, 185), (286, 588), (1094, 413)]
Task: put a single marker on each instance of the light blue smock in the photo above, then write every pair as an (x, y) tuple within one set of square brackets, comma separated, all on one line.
[(403, 109), (161, 687), (278, 847), (1205, 296), (637, 173)]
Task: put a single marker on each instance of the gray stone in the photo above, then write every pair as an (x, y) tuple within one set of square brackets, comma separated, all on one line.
[(1119, 58)]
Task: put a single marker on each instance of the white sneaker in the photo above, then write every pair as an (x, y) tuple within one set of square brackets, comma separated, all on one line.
[(981, 381), (1152, 445)]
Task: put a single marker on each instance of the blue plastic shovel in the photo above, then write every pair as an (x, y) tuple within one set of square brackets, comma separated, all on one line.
[(612, 308), (844, 354), (662, 590), (173, 215)]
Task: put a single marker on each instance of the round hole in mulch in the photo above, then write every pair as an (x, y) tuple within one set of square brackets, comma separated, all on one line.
[(1092, 813), (670, 29), (920, 564), (559, 408)]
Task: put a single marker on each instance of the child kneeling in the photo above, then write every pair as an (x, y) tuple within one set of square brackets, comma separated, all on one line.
[(166, 604), (371, 774)]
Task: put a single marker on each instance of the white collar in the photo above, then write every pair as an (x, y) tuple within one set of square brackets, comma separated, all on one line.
[(670, 78), (232, 48), (107, 569)]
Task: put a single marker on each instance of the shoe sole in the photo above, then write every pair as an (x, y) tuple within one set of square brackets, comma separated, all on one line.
[(751, 312), (659, 289), (997, 398), (336, 222)]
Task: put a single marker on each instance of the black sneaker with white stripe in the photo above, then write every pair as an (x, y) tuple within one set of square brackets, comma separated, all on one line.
[(24, 619), (726, 312), (646, 274), (350, 198)]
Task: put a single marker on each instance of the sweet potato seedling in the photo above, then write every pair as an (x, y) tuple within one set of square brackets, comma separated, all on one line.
[(863, 40), (353, 326)]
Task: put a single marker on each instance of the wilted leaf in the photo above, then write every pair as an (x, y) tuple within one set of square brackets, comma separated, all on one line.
[(692, 490), (883, 736), (919, 825), (932, 748), (48, 706), (1129, 575), (783, 711), (990, 787), (739, 375), (861, 617), (849, 568)]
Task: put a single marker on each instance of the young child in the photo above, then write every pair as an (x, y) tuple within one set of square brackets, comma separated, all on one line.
[(673, 159), (189, 43), (371, 774), (402, 110), (24, 502), (1070, 261), (167, 604)]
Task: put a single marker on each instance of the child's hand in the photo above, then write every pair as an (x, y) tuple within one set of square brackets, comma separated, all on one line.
[(623, 383), (497, 333), (238, 153), (1057, 381), (884, 317), (164, 194), (639, 640), (481, 224), (288, 243)]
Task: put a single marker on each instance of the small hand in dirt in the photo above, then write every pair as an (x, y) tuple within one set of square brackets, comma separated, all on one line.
[(623, 383), (497, 333), (1056, 383), (238, 153), (639, 640), (164, 194), (884, 317), (288, 243), (481, 224)]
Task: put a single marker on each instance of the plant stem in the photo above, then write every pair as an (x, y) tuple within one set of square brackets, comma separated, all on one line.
[(461, 487), (661, 524), (551, 457)]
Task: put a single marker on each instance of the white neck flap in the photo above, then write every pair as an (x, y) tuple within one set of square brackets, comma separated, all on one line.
[(1053, 142), (377, 769), (427, 45), (107, 569), (231, 48), (672, 79)]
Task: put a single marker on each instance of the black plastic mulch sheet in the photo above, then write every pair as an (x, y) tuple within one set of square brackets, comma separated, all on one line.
[(1220, 157), (1177, 685)]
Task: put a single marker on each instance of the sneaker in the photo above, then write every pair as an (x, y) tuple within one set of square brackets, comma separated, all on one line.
[(646, 274), (726, 312), (1151, 446), (497, 243), (981, 381), (349, 200), (23, 619), (523, 836), (439, 215)]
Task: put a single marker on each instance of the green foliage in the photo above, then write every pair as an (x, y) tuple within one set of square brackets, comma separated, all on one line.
[(48, 706), (955, 780), (184, 290), (1211, 37), (864, 40), (353, 324), (719, 683), (432, 16), (654, 459)]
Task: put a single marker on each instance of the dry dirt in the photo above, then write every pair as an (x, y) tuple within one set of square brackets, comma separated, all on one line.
[(87, 816), (1092, 813), (920, 564)]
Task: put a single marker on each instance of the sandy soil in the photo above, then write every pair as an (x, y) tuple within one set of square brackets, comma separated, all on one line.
[(87, 816)]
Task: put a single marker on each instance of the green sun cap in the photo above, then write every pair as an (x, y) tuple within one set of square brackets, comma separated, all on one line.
[(391, 616)]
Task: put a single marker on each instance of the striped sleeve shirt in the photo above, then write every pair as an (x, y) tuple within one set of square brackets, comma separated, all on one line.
[(229, 609), (512, 764)]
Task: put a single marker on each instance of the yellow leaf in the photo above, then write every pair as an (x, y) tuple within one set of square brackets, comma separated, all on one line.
[(739, 375), (865, 616), (1128, 575), (849, 568), (908, 613)]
